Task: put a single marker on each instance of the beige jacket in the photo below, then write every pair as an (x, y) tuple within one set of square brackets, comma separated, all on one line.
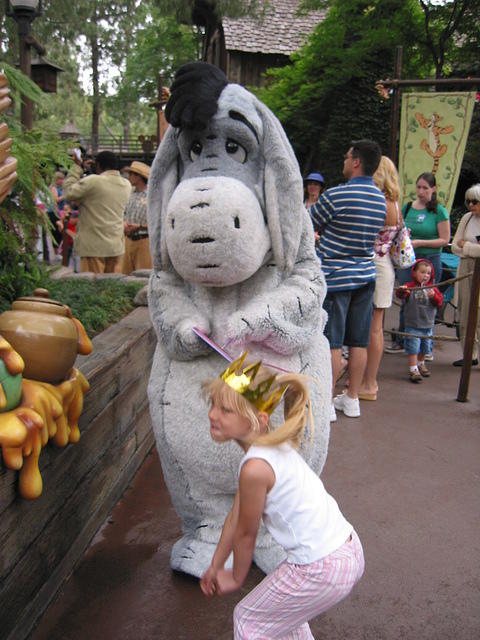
[(102, 200)]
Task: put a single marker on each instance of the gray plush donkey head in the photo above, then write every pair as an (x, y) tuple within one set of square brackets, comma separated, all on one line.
[(225, 192)]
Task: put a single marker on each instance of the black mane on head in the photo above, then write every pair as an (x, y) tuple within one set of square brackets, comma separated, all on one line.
[(194, 95)]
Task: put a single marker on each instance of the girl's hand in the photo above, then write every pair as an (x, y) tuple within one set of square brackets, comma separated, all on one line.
[(208, 582), (460, 243), (225, 582)]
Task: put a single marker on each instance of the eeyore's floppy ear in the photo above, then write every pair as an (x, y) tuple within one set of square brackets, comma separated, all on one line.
[(161, 185), (192, 104), (283, 187), (282, 182)]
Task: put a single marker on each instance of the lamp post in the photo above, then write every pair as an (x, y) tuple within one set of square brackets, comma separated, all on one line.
[(24, 13)]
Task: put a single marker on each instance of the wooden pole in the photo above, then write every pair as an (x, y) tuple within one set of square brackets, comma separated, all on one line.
[(417, 82), (470, 333), (395, 108)]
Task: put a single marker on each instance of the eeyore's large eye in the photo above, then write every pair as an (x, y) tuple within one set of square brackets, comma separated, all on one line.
[(236, 151), (195, 150)]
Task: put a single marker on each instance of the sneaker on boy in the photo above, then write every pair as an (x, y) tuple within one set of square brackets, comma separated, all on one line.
[(349, 406), (415, 376), (424, 372)]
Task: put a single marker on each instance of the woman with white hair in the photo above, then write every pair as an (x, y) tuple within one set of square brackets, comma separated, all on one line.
[(466, 244)]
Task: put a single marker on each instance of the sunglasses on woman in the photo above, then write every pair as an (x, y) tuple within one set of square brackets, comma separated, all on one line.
[(469, 202)]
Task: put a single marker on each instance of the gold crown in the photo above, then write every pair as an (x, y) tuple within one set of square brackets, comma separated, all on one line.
[(240, 380)]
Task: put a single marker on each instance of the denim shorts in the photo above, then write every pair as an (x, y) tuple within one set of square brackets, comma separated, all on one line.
[(414, 346), (349, 316)]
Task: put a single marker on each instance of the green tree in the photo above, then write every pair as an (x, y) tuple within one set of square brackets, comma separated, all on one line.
[(445, 24), (327, 96), (158, 46)]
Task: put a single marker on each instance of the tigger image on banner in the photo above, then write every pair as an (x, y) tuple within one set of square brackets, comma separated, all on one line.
[(433, 134)]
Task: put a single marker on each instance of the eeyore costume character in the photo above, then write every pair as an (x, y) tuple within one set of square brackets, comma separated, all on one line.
[(233, 254)]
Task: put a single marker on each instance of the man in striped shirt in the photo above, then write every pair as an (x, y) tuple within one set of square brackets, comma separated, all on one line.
[(347, 219)]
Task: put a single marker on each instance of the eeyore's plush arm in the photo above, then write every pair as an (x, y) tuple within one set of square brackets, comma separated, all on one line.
[(286, 317), (173, 316)]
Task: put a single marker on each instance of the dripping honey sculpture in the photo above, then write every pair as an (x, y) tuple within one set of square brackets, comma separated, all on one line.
[(41, 393)]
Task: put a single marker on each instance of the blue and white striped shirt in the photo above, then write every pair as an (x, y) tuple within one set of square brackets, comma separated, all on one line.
[(348, 219)]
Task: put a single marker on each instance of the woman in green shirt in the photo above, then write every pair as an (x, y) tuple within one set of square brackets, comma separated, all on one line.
[(428, 223)]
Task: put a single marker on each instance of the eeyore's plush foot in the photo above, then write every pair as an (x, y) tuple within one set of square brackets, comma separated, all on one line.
[(193, 556)]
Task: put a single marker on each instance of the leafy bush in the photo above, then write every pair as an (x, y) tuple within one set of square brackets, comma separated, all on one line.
[(98, 303), (38, 155)]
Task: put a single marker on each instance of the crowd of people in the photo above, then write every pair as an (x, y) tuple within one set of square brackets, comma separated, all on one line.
[(99, 216), (355, 226)]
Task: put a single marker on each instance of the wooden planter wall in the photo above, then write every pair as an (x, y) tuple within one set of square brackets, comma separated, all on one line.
[(43, 539)]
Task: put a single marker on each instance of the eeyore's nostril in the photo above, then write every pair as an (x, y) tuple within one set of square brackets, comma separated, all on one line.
[(173, 223), (202, 240), (200, 205), (236, 222)]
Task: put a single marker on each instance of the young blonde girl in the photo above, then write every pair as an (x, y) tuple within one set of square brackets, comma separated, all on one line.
[(324, 555)]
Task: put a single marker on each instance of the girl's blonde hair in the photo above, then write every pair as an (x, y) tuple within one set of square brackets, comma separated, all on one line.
[(296, 402), (386, 179)]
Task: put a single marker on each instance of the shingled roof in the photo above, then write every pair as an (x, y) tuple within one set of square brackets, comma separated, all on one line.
[(280, 30)]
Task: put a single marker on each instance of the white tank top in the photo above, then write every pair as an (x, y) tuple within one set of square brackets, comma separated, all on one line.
[(299, 513)]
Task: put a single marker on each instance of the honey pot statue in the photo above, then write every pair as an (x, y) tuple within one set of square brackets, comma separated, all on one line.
[(46, 335), (41, 393)]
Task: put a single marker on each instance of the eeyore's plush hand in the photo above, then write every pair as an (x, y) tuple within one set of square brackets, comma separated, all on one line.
[(174, 316)]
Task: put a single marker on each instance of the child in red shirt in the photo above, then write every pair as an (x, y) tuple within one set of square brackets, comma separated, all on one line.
[(421, 303)]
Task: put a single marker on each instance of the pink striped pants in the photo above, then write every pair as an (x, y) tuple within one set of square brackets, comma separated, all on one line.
[(281, 605)]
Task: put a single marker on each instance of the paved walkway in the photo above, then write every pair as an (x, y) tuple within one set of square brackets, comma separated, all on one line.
[(406, 474)]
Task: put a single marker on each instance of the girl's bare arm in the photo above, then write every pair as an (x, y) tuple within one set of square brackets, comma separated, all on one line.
[(256, 479)]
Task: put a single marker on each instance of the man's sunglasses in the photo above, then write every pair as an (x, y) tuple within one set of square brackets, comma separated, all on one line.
[(469, 202)]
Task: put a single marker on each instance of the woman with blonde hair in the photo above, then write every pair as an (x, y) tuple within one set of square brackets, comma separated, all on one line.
[(386, 179)]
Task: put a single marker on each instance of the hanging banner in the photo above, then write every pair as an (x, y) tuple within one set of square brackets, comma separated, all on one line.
[(433, 133)]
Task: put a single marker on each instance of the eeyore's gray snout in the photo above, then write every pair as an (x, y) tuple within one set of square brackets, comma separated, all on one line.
[(221, 230)]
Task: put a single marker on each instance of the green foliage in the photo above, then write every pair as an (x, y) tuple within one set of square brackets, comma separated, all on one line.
[(160, 45), (327, 96), (20, 84), (98, 303), (38, 154), (20, 272)]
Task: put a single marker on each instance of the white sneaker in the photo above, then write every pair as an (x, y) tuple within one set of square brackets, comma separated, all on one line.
[(349, 406), (333, 415)]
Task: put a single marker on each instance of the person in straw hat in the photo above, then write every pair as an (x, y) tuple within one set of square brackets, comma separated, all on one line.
[(137, 250)]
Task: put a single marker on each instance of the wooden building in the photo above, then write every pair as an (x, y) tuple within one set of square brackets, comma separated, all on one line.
[(245, 47)]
